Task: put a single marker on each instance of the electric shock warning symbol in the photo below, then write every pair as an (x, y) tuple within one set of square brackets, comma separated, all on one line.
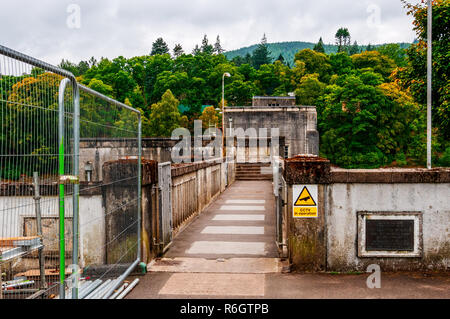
[(305, 204)]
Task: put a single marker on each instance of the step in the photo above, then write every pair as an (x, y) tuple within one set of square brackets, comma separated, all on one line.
[(254, 175), (251, 165), (220, 265)]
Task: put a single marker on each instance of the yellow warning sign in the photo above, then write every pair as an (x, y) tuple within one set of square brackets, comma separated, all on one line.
[(305, 198), (305, 211), (306, 204)]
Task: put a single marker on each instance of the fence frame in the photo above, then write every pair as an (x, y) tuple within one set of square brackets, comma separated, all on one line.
[(119, 281), (69, 78)]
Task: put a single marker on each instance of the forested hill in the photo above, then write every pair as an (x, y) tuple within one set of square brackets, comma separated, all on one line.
[(289, 49)]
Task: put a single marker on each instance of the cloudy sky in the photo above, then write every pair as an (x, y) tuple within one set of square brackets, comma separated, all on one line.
[(78, 29)]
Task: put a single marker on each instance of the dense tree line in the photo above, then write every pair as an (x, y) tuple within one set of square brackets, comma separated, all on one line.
[(370, 100)]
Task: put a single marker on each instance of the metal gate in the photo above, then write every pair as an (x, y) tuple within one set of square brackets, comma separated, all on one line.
[(165, 204)]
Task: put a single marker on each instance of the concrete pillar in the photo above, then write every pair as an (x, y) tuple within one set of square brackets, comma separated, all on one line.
[(119, 199), (307, 236)]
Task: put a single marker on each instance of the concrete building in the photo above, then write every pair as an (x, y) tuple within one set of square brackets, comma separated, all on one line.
[(296, 124), (273, 101)]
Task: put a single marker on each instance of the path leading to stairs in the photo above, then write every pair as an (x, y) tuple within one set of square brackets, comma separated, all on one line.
[(227, 249)]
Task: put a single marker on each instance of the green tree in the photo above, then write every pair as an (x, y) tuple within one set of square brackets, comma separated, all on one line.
[(341, 63), (267, 80), (196, 50), (377, 62), (206, 47), (319, 46), (159, 47), (240, 92), (281, 59), (101, 87), (218, 47), (165, 116), (342, 37), (29, 124), (370, 47), (354, 49), (177, 51), (367, 123), (261, 55), (395, 52), (209, 117), (413, 77), (309, 89), (315, 62)]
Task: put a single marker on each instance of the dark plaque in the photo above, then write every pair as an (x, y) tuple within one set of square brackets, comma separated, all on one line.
[(394, 234)]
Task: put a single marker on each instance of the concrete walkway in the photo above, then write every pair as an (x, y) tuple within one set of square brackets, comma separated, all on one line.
[(239, 223), (227, 250)]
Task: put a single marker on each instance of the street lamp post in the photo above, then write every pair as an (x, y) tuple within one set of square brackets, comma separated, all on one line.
[(429, 73), (226, 74)]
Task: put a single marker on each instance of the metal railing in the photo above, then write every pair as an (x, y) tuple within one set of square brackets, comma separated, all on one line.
[(46, 224)]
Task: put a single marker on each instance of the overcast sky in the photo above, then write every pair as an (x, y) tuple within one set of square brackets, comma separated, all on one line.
[(49, 29)]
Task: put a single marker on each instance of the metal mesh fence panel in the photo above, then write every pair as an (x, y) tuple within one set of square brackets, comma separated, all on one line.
[(32, 158), (109, 203), (69, 210)]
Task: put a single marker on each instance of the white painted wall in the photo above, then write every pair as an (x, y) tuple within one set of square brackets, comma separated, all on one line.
[(13, 210), (92, 230)]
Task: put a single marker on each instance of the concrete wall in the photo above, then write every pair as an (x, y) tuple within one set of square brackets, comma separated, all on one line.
[(273, 101), (91, 218), (334, 240), (345, 200), (99, 151), (92, 230), (194, 186), (297, 124)]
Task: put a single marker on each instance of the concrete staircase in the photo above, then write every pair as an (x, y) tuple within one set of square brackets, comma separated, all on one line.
[(253, 171)]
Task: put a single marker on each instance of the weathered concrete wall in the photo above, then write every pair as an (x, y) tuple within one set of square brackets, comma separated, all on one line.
[(273, 101), (21, 221), (120, 186), (371, 190), (92, 230), (99, 151), (306, 237), (297, 124), (333, 240)]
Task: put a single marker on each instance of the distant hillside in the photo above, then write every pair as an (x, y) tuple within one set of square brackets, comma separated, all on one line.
[(289, 49)]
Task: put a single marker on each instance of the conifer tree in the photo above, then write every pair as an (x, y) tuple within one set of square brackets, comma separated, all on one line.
[(261, 55), (319, 46), (196, 50), (159, 47), (218, 47), (354, 49), (206, 47), (177, 50), (342, 39)]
